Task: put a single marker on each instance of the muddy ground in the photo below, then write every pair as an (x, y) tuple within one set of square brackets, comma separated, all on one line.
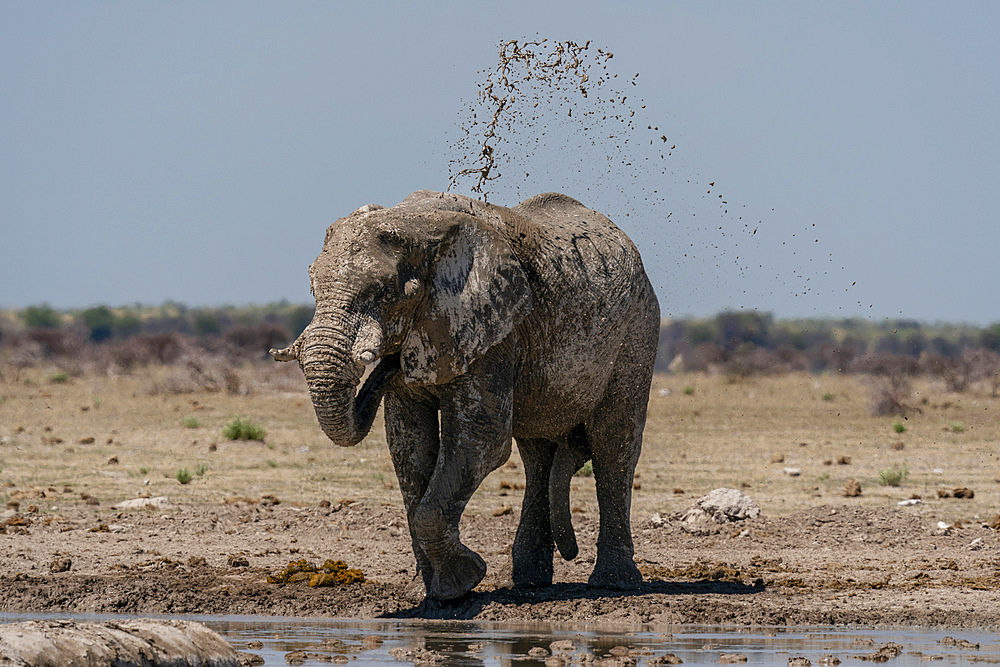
[(71, 452), (832, 564)]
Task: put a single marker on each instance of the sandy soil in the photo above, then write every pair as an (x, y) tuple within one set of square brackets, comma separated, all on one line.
[(814, 556)]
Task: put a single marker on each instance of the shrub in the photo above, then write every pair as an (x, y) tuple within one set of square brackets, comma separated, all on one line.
[(688, 390), (899, 427), (190, 422), (101, 321), (201, 469), (956, 427), (183, 476), (59, 378), (586, 471), (40, 317), (893, 476), (827, 396), (241, 428)]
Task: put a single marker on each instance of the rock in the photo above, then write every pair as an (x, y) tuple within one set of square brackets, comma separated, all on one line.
[(976, 544), (777, 458), (562, 646), (238, 560), (884, 654), (60, 565), (793, 472), (158, 503), (732, 658), (126, 643), (249, 659), (960, 643), (853, 489), (911, 501), (799, 662), (963, 492), (843, 460), (829, 660), (719, 507), (666, 659), (994, 523)]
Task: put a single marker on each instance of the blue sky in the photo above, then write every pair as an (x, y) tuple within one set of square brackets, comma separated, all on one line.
[(197, 151)]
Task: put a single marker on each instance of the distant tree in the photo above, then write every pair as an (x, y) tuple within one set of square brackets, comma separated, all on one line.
[(737, 329), (101, 322), (127, 325), (914, 344), (990, 337), (40, 317), (206, 323), (942, 346)]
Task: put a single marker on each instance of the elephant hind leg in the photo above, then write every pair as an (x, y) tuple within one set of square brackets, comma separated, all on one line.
[(533, 544), (615, 432)]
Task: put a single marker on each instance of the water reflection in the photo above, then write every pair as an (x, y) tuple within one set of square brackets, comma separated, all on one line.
[(283, 641)]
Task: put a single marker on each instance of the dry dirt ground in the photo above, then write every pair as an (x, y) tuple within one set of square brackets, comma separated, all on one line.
[(71, 451)]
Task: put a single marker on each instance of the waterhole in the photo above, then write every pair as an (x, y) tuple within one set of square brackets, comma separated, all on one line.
[(283, 641)]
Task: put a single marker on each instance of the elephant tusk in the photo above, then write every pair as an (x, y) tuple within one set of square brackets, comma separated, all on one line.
[(284, 354), (366, 357)]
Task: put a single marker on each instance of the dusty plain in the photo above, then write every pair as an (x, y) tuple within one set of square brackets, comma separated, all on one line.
[(71, 451)]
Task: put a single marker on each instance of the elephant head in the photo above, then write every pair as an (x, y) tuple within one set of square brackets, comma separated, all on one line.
[(424, 287)]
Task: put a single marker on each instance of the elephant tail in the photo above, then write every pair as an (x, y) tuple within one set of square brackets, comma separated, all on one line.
[(565, 462)]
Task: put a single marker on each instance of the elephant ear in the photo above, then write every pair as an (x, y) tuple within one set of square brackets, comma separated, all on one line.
[(477, 293)]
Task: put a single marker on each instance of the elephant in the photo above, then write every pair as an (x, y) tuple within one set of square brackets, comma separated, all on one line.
[(479, 324)]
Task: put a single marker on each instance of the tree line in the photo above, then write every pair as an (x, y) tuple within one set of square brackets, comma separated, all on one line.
[(738, 343)]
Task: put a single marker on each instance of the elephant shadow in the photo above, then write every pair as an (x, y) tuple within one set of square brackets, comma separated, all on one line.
[(469, 607)]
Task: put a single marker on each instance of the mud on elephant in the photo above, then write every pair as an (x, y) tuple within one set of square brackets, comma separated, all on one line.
[(487, 323)]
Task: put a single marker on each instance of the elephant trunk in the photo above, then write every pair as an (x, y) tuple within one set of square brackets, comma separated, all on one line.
[(332, 373)]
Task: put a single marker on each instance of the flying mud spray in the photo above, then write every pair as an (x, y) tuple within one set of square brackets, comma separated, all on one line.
[(556, 116)]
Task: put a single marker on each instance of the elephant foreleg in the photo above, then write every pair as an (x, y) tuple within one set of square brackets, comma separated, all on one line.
[(475, 440), (411, 429)]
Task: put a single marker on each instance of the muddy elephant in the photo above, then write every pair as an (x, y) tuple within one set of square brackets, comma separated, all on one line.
[(484, 323)]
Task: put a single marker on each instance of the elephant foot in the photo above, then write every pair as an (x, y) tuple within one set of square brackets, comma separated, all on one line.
[(618, 574), (457, 574), (532, 570)]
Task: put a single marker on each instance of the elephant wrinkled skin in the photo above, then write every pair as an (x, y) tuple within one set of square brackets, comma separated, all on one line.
[(535, 322)]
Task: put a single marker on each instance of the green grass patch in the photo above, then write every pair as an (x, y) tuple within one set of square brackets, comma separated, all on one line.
[(956, 427), (893, 476), (899, 427), (190, 422), (242, 428), (183, 475)]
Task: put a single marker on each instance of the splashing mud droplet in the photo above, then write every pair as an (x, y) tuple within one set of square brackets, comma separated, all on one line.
[(557, 113)]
